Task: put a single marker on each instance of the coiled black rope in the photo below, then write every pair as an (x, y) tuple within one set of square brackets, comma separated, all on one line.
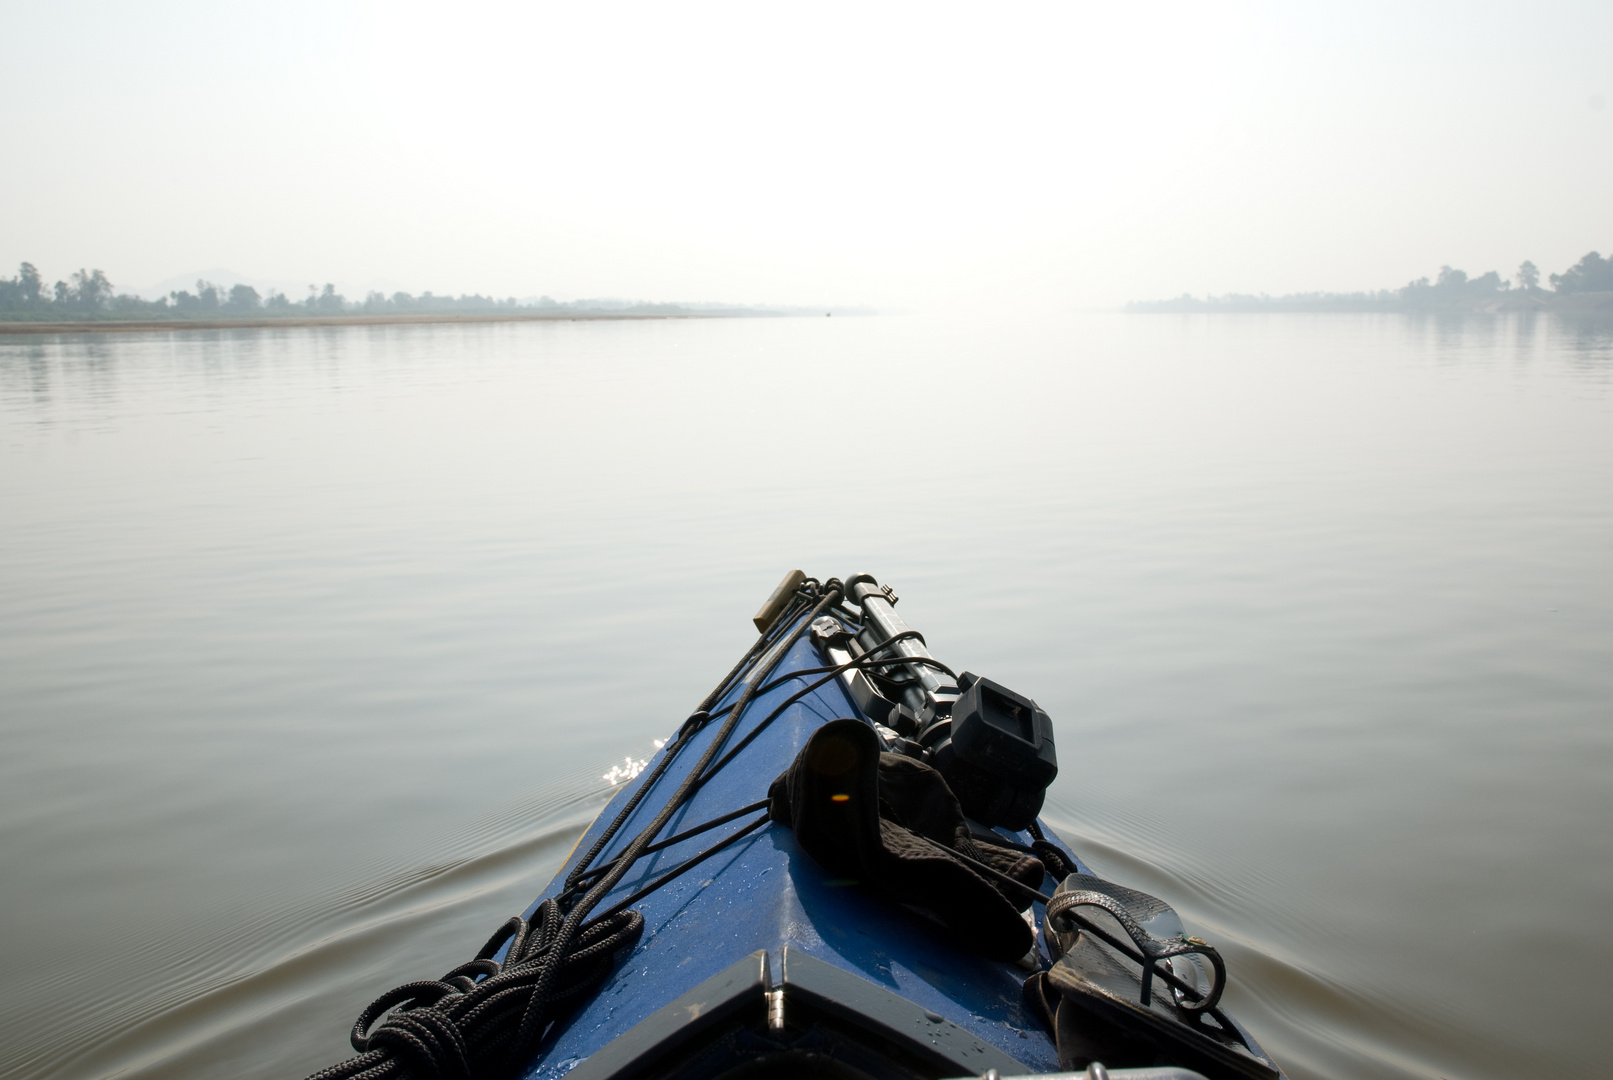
[(456, 1027), (485, 1018)]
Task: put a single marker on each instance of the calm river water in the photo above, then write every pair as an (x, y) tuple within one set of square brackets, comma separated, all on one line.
[(315, 645)]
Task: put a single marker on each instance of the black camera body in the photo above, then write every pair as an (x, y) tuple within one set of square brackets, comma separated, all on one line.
[(996, 753)]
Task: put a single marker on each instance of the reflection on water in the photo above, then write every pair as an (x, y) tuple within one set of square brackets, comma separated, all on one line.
[(315, 644)]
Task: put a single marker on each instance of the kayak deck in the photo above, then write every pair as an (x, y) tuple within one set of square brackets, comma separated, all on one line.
[(763, 894)]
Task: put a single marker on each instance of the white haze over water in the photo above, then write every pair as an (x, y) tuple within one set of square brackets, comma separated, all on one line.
[(903, 156)]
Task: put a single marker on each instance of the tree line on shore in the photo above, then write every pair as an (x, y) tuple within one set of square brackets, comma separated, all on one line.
[(1452, 290), (88, 295)]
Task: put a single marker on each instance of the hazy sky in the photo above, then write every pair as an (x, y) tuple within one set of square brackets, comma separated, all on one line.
[(898, 155)]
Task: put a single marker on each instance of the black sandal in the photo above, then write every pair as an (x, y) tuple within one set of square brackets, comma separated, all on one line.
[(1100, 996)]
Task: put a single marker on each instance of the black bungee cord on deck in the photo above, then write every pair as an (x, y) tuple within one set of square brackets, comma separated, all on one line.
[(486, 1016)]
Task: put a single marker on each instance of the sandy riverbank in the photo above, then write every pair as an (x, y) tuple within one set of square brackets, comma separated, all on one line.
[(105, 326)]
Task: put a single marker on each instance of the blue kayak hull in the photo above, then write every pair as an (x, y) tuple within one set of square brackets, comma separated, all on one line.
[(765, 894)]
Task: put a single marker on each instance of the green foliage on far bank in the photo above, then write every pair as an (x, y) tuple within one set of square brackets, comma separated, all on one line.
[(1578, 286), (88, 296)]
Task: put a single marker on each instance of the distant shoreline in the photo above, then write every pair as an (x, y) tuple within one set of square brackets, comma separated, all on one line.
[(1585, 303), (108, 326), (1586, 288)]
